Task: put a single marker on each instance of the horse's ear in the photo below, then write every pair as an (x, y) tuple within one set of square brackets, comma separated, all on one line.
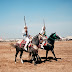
[(39, 33)]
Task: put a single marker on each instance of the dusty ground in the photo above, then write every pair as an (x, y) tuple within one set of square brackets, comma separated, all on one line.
[(63, 51)]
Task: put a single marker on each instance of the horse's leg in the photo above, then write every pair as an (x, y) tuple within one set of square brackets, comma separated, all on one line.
[(33, 56), (54, 54), (38, 58), (30, 55), (46, 54), (16, 54), (21, 57)]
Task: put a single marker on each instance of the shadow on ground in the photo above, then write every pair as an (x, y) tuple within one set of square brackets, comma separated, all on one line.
[(43, 60)]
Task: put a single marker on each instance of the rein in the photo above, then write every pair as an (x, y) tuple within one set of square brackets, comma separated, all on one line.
[(53, 36)]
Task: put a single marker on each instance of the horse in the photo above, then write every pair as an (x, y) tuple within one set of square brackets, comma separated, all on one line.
[(31, 49), (49, 45)]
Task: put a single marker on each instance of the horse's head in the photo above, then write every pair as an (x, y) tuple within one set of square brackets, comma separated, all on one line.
[(54, 36)]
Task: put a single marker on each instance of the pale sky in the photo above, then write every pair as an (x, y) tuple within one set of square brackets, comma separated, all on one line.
[(56, 13)]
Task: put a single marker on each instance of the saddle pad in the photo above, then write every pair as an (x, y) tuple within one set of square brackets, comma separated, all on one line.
[(19, 41)]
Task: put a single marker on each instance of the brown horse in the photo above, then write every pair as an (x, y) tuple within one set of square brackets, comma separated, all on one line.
[(31, 49)]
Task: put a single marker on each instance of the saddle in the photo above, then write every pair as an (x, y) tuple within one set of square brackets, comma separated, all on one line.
[(21, 43)]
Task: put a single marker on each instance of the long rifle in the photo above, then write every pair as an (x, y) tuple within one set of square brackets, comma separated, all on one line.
[(24, 21), (44, 22)]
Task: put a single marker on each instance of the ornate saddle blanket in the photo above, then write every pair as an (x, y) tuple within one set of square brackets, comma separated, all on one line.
[(21, 43)]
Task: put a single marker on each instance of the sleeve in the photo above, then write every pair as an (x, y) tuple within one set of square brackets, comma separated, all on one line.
[(27, 33), (23, 33), (44, 33), (41, 32)]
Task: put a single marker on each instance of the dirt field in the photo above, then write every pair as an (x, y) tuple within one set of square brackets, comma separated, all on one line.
[(63, 51)]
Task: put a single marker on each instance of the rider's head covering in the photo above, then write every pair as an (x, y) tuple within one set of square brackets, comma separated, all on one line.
[(25, 27), (43, 28)]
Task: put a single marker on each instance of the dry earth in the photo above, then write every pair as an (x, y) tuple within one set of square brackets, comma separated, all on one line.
[(63, 51)]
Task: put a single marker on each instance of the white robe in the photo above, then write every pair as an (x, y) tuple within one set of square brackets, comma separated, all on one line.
[(25, 37)]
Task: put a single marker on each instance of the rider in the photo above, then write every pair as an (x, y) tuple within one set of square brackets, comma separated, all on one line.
[(43, 33), (25, 36)]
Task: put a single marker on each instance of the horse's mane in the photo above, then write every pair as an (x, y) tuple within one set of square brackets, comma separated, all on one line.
[(35, 40), (36, 36), (52, 34)]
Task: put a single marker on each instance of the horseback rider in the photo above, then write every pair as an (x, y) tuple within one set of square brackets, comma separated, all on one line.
[(43, 33), (25, 36)]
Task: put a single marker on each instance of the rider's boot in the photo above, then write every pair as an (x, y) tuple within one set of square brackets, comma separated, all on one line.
[(25, 48), (42, 47)]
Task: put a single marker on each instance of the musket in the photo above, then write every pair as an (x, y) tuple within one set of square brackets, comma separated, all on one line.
[(24, 21), (44, 22)]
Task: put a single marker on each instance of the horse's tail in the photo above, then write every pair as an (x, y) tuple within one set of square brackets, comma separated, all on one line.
[(13, 45)]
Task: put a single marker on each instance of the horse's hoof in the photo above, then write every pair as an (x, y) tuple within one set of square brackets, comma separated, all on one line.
[(56, 59), (34, 63), (15, 62), (22, 61)]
